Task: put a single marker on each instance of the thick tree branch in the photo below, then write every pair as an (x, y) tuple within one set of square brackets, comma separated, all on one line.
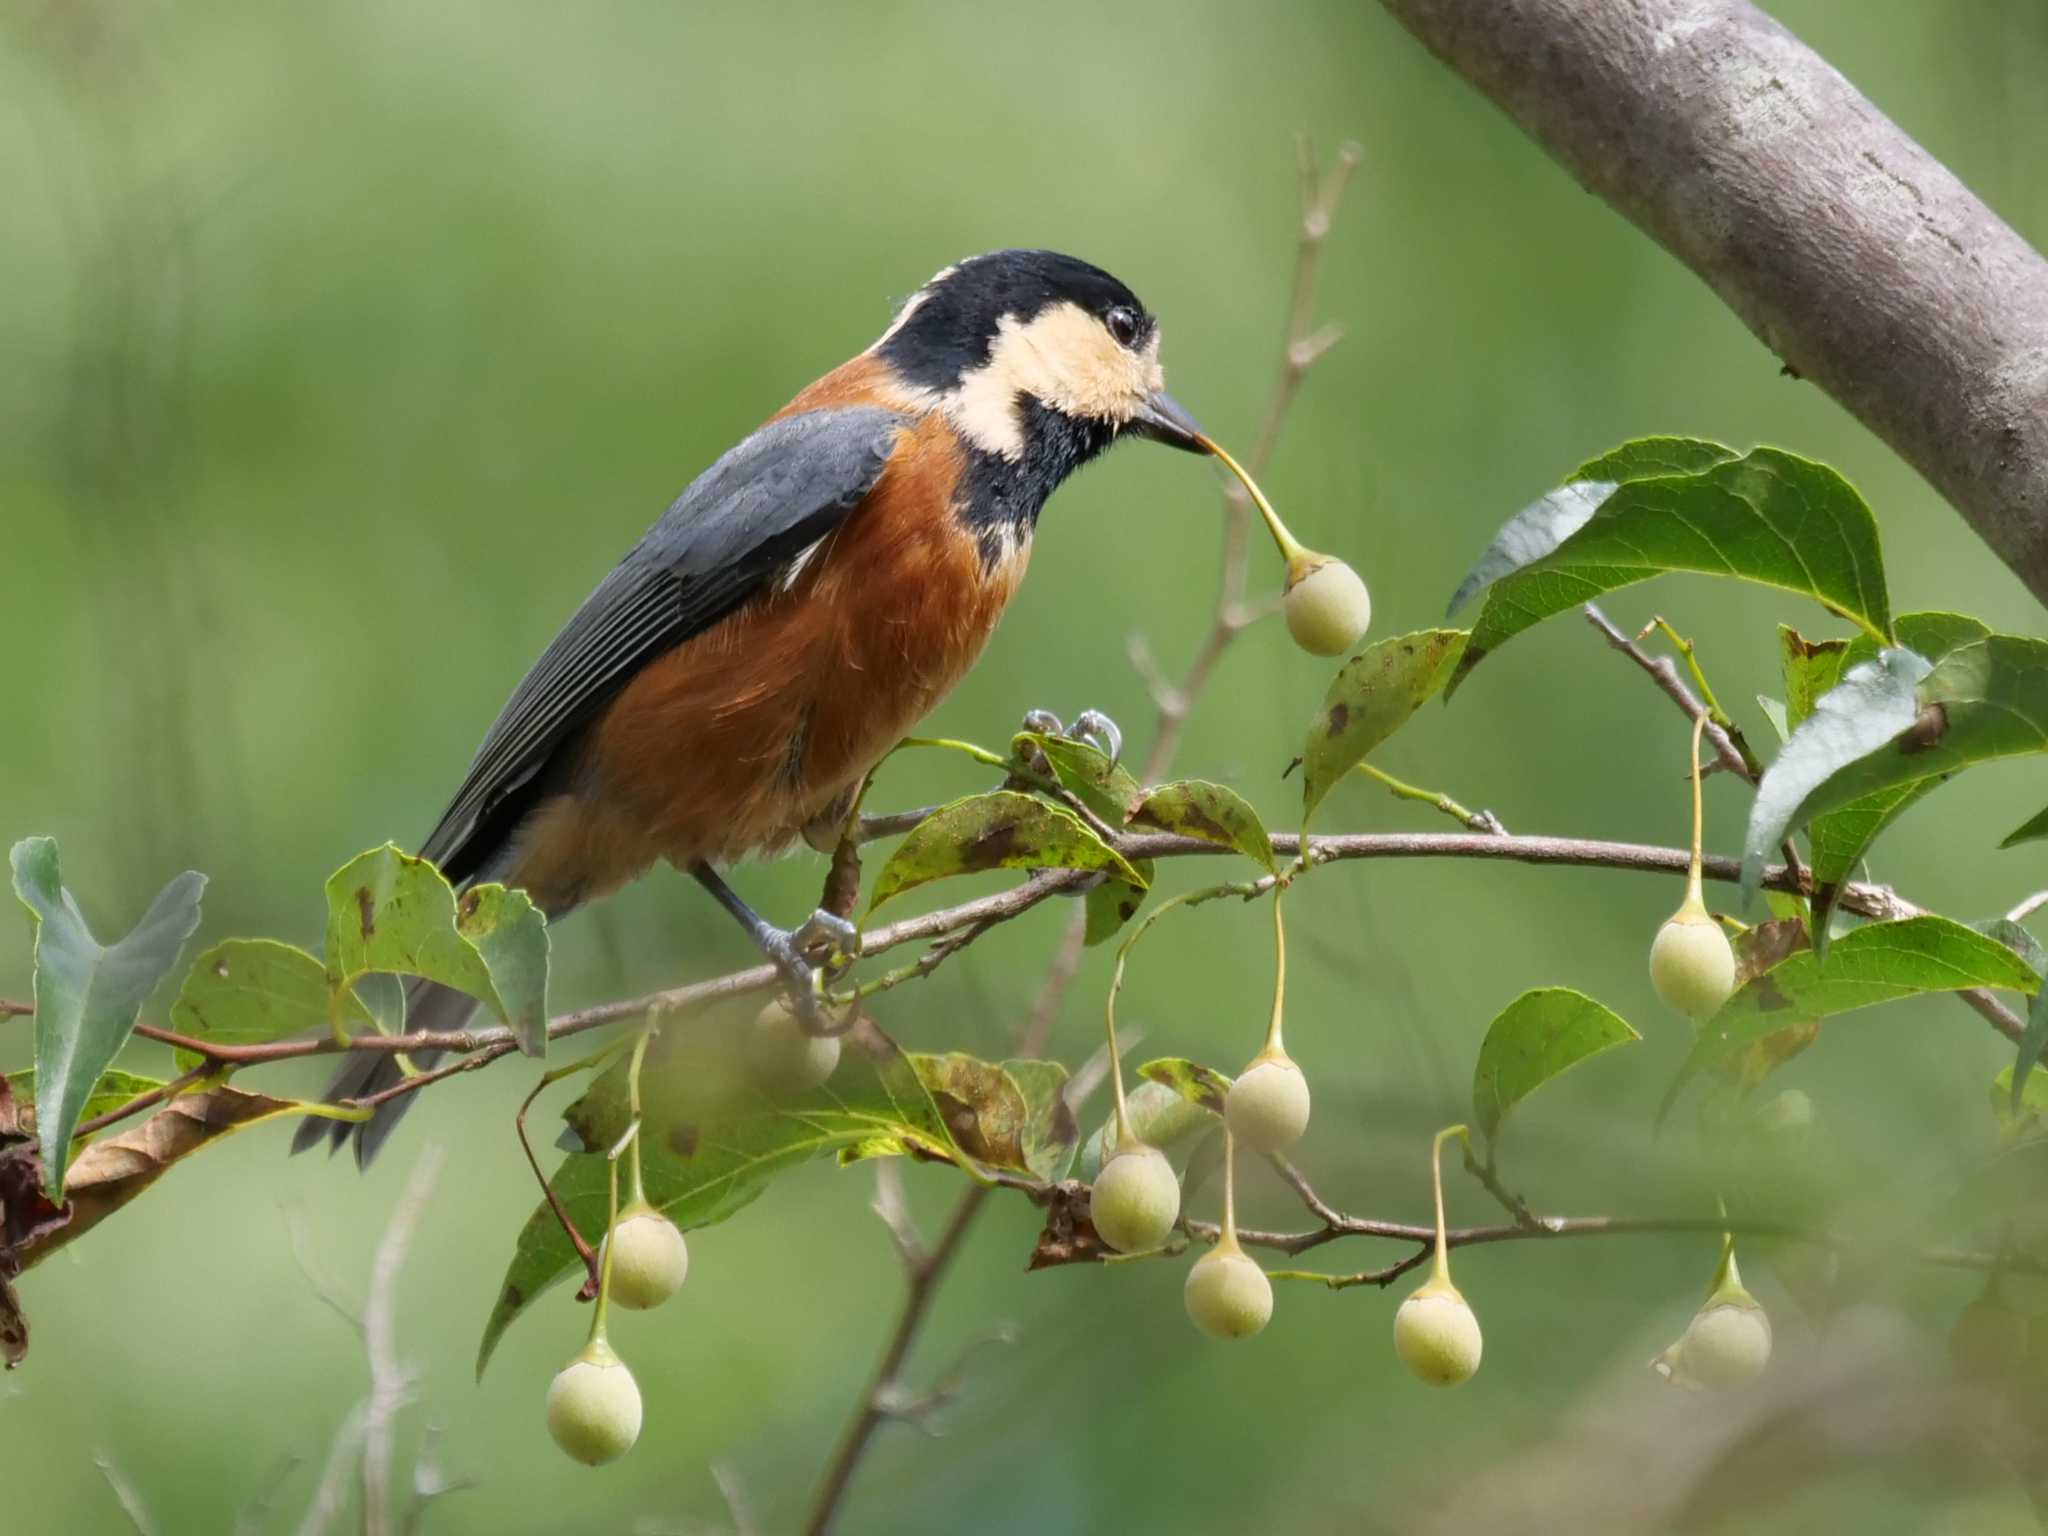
[(1850, 252)]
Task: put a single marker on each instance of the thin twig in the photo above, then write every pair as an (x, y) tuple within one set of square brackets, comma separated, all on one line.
[(124, 1492), (1174, 701), (923, 1286), (390, 1387), (329, 1497), (1321, 195), (1665, 675)]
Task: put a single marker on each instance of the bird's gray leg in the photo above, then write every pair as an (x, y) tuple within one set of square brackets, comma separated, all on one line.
[(789, 949)]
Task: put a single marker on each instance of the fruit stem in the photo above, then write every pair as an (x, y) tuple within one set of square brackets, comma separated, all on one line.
[(1440, 1274), (638, 1190), (1290, 548), (1244, 888), (1116, 1061), (604, 1275), (1227, 1243), (1273, 1045), (1694, 892)]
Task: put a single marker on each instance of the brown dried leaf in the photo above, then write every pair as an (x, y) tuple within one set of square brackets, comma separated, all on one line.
[(111, 1172)]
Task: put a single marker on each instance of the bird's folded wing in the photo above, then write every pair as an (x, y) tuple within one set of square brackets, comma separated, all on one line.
[(740, 523)]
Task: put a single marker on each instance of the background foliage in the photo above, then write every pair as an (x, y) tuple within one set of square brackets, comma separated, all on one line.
[(349, 346)]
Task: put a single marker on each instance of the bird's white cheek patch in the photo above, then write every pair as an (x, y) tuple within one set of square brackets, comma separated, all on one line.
[(1063, 357)]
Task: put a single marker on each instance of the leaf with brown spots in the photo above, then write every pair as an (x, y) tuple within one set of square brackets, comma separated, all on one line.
[(981, 1105), (1113, 903), (1372, 696), (1201, 1086), (1196, 808), (1003, 829), (1086, 770), (390, 913), (114, 1170)]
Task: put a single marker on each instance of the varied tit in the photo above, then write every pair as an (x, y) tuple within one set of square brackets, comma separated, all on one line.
[(728, 687)]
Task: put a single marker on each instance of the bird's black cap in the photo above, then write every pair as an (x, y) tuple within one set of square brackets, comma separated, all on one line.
[(948, 327)]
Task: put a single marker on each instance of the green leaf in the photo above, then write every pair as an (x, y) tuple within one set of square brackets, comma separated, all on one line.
[(1201, 1086), (1769, 517), (1199, 809), (2029, 831), (247, 991), (1932, 633), (1540, 527), (1841, 837), (1810, 668), (1000, 830), (1871, 706), (1774, 711), (1051, 1135), (1159, 1115), (511, 934), (1537, 1036), (1878, 963), (114, 1089), (1114, 903), (390, 912), (1085, 769), (700, 1173), (2021, 1110), (87, 996), (2035, 1036), (1371, 697), (1984, 700)]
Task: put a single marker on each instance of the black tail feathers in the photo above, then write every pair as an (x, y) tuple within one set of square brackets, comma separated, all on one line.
[(428, 1006)]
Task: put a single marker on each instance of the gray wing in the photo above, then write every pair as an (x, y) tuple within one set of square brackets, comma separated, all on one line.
[(740, 522)]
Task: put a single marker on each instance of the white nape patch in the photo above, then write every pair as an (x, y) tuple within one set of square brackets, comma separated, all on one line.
[(1065, 359), (802, 558), (911, 306)]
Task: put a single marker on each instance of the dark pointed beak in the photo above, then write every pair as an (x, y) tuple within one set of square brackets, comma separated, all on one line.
[(1163, 419)]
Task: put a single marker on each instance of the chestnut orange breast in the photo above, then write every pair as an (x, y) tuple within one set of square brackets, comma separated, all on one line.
[(735, 740)]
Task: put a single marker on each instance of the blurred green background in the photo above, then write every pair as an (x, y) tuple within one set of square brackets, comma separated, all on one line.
[(348, 345)]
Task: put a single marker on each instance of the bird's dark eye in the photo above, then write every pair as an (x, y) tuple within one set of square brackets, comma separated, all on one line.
[(1123, 325)]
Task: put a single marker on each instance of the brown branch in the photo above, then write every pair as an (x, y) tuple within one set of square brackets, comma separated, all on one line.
[(488, 1044), (1335, 1225), (1850, 252)]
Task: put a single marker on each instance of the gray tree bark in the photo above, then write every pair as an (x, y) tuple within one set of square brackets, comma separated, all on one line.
[(1851, 252)]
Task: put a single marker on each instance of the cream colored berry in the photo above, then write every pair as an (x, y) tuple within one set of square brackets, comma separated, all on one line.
[(1327, 608), (1267, 1107), (1692, 964), (1227, 1294), (1437, 1336), (783, 1057), (594, 1406), (1136, 1198), (649, 1258), (1726, 1344)]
